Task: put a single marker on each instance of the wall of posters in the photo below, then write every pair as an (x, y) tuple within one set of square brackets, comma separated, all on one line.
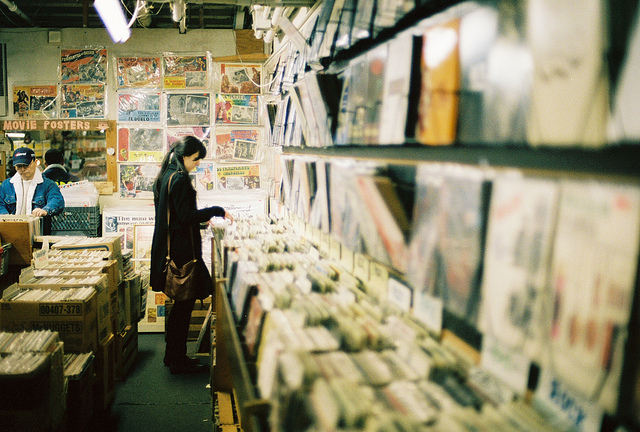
[(83, 65), (188, 109), (139, 107), (82, 101), (236, 109), (185, 71), (136, 179), (240, 78), (35, 101), (140, 144), (238, 177), (138, 72)]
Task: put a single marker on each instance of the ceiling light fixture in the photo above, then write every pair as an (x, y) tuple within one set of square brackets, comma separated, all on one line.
[(114, 19)]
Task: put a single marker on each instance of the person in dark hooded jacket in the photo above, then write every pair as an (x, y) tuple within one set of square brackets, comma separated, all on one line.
[(184, 222), (54, 168)]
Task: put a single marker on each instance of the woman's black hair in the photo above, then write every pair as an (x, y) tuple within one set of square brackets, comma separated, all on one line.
[(185, 146)]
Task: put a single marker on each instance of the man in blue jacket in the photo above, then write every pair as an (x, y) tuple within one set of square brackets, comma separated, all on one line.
[(28, 192)]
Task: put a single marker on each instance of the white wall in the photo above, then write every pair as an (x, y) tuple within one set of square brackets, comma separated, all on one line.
[(32, 60)]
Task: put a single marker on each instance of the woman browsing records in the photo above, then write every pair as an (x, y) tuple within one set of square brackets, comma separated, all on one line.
[(177, 227)]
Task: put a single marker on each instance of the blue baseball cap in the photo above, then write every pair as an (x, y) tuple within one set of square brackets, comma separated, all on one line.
[(23, 156)]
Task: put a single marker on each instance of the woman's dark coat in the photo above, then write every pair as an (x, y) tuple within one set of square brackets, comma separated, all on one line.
[(184, 217)]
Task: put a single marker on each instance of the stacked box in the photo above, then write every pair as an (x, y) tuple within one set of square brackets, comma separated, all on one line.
[(105, 386), (35, 401), (75, 321), (80, 390), (126, 351)]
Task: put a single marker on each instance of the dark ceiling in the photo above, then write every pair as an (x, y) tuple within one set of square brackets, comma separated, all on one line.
[(81, 14)]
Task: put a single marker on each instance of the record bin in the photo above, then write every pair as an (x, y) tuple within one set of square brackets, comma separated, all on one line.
[(77, 221)]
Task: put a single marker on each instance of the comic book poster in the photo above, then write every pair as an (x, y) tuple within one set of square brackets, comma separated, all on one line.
[(138, 72), (185, 71), (202, 133), (142, 238), (236, 144), (83, 66), (236, 109), (140, 144), (82, 101), (204, 180), (35, 101), (240, 78), (188, 109), (139, 107), (238, 177), (136, 179)]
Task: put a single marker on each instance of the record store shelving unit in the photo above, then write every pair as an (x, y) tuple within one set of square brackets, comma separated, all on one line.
[(612, 163)]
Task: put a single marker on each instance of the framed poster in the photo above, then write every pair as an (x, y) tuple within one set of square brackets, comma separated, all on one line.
[(138, 72), (238, 177), (83, 65), (82, 101), (181, 71), (188, 109), (35, 101), (240, 78), (136, 179), (142, 238), (236, 109), (140, 144), (139, 106), (237, 143)]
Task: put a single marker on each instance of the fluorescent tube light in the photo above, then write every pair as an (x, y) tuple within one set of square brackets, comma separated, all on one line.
[(113, 18)]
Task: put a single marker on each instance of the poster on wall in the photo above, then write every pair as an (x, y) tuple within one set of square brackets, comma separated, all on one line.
[(82, 101), (245, 204), (140, 144), (236, 109), (240, 78), (175, 133), (182, 71), (139, 106), (188, 109), (239, 144), (136, 179), (238, 177), (204, 178), (142, 238), (35, 101), (120, 221), (138, 72), (83, 65)]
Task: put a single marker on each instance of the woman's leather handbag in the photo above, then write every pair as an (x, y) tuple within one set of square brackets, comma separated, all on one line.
[(180, 281)]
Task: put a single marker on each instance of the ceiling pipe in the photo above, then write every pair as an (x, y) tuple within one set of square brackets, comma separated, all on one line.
[(13, 8)]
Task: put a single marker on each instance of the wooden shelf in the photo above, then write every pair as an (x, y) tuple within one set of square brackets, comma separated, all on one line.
[(619, 160)]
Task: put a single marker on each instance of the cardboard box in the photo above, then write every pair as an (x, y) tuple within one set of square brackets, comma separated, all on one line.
[(80, 402), (105, 386), (75, 321), (34, 402), (111, 244), (103, 301)]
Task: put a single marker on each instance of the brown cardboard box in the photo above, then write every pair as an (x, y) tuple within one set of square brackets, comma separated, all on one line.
[(103, 301), (75, 322), (105, 387), (35, 402)]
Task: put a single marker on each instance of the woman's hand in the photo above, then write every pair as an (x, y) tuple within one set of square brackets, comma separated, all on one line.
[(228, 215)]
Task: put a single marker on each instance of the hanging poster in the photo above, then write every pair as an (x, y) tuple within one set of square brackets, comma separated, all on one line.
[(142, 238), (140, 144), (204, 180), (120, 221), (238, 177), (188, 109), (83, 65), (139, 107), (175, 133), (236, 109), (35, 101), (82, 101), (138, 72), (136, 179), (240, 78), (236, 144), (185, 71)]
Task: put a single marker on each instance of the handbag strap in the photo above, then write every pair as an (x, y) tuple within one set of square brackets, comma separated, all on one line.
[(169, 219)]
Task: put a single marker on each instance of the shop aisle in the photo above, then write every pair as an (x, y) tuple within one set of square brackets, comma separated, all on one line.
[(151, 399)]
